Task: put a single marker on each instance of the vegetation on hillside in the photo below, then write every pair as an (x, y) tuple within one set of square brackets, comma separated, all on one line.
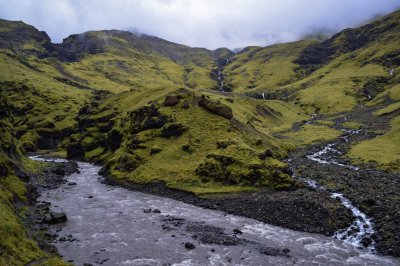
[(151, 110)]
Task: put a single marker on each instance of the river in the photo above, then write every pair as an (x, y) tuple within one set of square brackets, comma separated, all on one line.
[(114, 226)]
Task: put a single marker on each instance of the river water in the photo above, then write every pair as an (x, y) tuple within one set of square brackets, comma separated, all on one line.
[(114, 226)]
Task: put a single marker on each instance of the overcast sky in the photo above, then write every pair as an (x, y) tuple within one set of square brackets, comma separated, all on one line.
[(201, 23)]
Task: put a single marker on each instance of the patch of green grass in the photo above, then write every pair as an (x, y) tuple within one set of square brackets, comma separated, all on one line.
[(388, 109), (146, 156), (95, 153), (309, 134), (352, 125), (384, 150), (205, 189), (264, 69), (32, 166), (328, 123), (16, 248)]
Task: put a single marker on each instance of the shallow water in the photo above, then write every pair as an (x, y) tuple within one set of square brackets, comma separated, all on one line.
[(362, 227), (108, 225)]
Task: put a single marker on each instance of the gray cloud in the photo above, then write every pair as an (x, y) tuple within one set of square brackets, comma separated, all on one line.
[(205, 23)]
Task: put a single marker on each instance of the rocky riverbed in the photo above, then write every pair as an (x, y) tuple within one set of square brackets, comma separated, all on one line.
[(115, 226), (373, 192)]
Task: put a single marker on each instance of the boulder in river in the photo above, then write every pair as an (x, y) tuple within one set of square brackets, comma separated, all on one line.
[(55, 218), (237, 231), (58, 171), (189, 245)]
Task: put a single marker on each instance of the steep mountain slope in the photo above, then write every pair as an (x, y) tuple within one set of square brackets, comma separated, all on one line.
[(201, 121), (265, 69), (16, 247), (355, 66)]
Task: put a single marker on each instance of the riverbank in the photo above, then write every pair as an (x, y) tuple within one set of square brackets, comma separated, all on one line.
[(304, 209), (310, 209), (111, 225), (373, 191), (39, 215)]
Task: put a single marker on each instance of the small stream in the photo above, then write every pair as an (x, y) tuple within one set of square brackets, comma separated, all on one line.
[(362, 228), (220, 76), (110, 225)]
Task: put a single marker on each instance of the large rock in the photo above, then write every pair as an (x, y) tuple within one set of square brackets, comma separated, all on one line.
[(74, 150), (55, 218), (171, 100), (224, 111), (216, 107), (189, 245), (145, 118), (58, 171), (186, 105), (172, 130)]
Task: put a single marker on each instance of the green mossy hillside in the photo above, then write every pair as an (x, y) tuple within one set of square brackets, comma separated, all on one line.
[(150, 110), (16, 247), (182, 144)]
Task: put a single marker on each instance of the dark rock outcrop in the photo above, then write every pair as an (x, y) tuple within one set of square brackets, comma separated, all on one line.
[(55, 218), (216, 107), (171, 100), (189, 245), (172, 130), (147, 117)]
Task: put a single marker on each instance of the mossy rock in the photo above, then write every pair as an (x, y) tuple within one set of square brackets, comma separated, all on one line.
[(114, 139), (216, 107), (172, 130), (128, 163), (230, 171), (171, 100), (145, 118)]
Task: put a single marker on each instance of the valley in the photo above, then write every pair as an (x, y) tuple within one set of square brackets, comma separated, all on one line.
[(297, 142)]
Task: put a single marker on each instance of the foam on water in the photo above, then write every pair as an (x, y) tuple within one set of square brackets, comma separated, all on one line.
[(363, 227), (44, 159), (318, 157)]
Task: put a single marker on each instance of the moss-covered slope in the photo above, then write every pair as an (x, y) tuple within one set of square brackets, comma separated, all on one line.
[(16, 247), (204, 121)]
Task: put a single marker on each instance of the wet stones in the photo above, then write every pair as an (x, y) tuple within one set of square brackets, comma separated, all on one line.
[(366, 241), (52, 177), (58, 171), (189, 246), (55, 218), (237, 231), (149, 210)]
